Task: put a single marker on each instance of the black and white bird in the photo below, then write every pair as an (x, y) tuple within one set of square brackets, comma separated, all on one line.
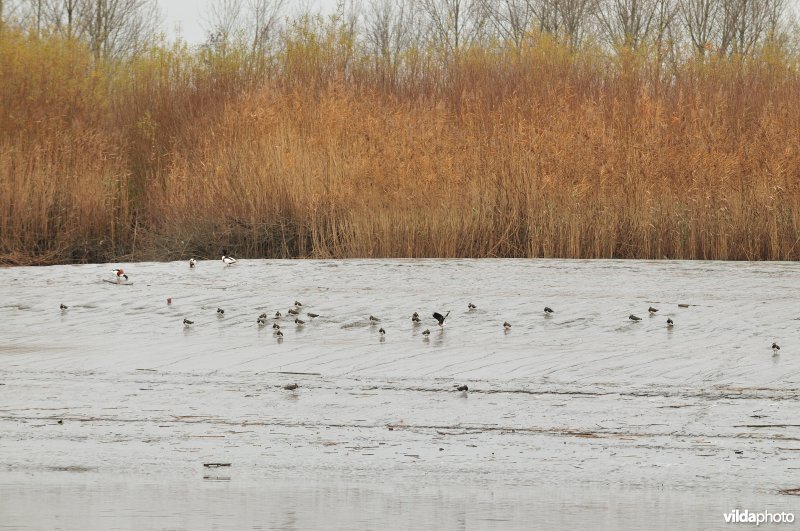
[(775, 348), (262, 321), (634, 318), (276, 326), (471, 306), (374, 319), (279, 335), (227, 259), (277, 315), (64, 307), (439, 317), (415, 318), (463, 388), (298, 304), (263, 316), (548, 310), (652, 310), (192, 262), (292, 311), (299, 322), (670, 324), (382, 332), (187, 323), (220, 311), (426, 332), (507, 325)]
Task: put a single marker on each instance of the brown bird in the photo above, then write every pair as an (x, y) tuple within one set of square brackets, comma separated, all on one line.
[(507, 325)]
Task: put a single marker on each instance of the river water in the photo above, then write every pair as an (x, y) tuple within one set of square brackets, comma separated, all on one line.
[(581, 418)]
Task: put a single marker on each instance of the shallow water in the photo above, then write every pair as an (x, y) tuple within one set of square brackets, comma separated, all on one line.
[(618, 422)]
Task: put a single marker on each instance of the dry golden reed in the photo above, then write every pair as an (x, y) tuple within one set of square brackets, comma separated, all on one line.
[(318, 151)]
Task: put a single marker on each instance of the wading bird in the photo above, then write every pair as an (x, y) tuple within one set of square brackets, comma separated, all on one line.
[(220, 311), (462, 388), (471, 306), (64, 306), (227, 259), (290, 387), (276, 326), (312, 315), (374, 319), (277, 315), (187, 323), (415, 318), (192, 262), (670, 324), (548, 310), (507, 325), (775, 348), (298, 304), (292, 311), (652, 310), (298, 322), (634, 318), (382, 332), (426, 332), (120, 274), (439, 317)]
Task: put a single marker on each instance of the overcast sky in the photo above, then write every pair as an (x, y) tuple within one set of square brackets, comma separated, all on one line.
[(189, 17)]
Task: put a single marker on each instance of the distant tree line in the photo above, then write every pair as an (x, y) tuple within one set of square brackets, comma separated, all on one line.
[(388, 29)]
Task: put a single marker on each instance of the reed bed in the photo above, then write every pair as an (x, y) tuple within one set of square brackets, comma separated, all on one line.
[(316, 151)]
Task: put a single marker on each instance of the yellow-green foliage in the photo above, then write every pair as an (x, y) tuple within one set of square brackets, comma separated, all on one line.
[(319, 150)]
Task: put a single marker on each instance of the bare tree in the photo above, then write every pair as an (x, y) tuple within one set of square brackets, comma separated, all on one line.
[(454, 24), (575, 18), (390, 29), (744, 23), (511, 19), (116, 28), (699, 19), (628, 23), (265, 18)]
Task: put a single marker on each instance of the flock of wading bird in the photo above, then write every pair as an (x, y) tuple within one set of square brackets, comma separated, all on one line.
[(296, 311)]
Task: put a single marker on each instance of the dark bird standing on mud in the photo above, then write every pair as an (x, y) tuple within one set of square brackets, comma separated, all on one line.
[(439, 317), (634, 318), (374, 319), (64, 306), (471, 306), (507, 325), (548, 310), (298, 322), (462, 388), (670, 324), (415, 318), (652, 310), (291, 386), (187, 323), (382, 332), (192, 262), (775, 349), (220, 311), (292, 311), (426, 332), (312, 315)]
